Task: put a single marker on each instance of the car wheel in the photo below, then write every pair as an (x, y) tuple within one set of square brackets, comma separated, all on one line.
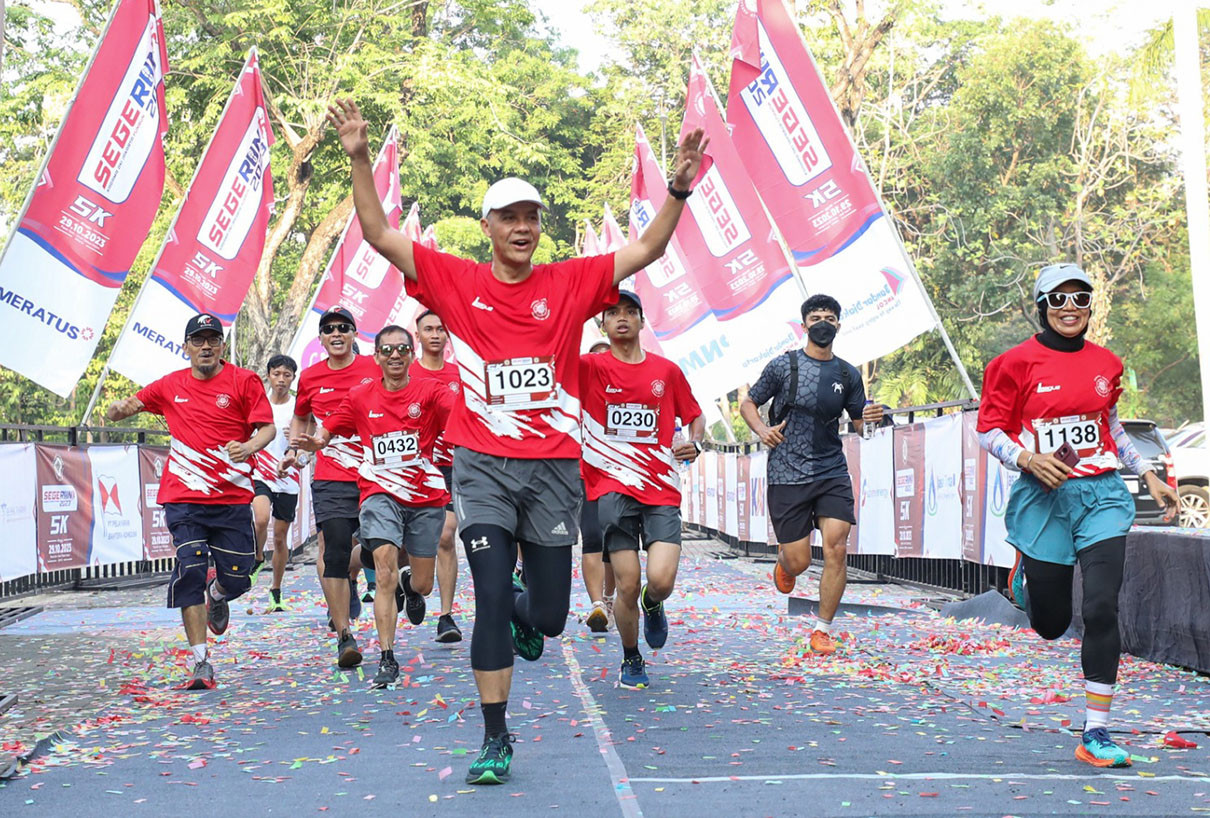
[(1195, 506)]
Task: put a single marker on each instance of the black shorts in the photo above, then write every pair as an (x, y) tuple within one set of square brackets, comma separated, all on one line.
[(796, 510), (284, 505), (201, 532), (448, 473), (590, 528), (331, 499)]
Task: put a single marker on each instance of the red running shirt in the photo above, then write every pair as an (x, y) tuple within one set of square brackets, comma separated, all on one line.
[(630, 415), (447, 376), (203, 417), (397, 431), (320, 392), (518, 349), (1042, 398)]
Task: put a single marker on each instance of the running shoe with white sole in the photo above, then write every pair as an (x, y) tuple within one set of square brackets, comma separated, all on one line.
[(447, 629)]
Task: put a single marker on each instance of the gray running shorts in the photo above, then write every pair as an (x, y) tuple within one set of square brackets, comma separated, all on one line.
[(538, 501), (386, 520), (332, 499), (625, 522)]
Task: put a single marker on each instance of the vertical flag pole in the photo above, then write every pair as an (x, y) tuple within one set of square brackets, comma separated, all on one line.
[(96, 393), (1193, 160)]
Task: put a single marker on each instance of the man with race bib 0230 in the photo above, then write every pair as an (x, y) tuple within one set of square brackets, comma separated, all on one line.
[(632, 402), (1049, 410), (516, 330), (403, 495)]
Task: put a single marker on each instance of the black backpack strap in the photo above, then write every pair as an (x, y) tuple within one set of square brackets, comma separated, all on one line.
[(776, 416)]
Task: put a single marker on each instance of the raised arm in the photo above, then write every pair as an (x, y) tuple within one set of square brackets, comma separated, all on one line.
[(654, 241), (392, 244)]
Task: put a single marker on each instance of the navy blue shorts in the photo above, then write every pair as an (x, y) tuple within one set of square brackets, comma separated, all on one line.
[(201, 531)]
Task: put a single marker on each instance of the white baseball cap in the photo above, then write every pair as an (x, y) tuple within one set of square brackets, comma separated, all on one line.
[(510, 191), (1053, 275)]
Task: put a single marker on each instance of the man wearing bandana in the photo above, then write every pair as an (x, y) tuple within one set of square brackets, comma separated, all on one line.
[(809, 484)]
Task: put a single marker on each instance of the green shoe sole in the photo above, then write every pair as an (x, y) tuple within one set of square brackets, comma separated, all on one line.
[(486, 777)]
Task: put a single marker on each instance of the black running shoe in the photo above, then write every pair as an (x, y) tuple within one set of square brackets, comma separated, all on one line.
[(388, 672), (413, 603), (202, 677), (218, 613), (447, 629), (527, 640), (347, 654), (492, 765)]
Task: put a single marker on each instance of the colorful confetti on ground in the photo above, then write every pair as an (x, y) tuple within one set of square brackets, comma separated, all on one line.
[(915, 714)]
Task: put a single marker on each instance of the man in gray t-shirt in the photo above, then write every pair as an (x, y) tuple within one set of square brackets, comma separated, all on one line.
[(809, 484)]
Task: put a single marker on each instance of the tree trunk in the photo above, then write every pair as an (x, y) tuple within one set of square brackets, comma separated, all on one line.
[(860, 41)]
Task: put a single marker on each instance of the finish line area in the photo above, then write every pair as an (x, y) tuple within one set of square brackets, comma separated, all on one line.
[(914, 714)]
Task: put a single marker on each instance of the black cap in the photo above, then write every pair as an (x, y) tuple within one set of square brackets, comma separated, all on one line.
[(632, 297), (338, 312), (203, 322)]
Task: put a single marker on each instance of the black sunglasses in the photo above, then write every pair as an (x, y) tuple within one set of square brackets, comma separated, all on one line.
[(1057, 301), (387, 350), (328, 329)]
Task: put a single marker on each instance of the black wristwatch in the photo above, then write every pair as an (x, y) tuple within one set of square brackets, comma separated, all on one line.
[(678, 194)]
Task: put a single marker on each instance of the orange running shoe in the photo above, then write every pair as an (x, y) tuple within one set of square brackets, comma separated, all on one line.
[(822, 643), (783, 581)]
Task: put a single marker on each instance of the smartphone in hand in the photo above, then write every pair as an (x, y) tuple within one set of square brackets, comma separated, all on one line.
[(1067, 455)]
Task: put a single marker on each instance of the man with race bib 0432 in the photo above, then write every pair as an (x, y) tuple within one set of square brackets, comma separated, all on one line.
[(1049, 410), (632, 402), (516, 328), (403, 495)]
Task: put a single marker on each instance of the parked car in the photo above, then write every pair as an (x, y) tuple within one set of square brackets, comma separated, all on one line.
[(1154, 449), (1192, 461)]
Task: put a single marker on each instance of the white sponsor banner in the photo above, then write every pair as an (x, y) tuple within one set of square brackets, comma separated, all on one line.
[(710, 460), (996, 550), (731, 503), (117, 521), (688, 493), (758, 490), (883, 307), (942, 487), (151, 347), (876, 495), (18, 521)]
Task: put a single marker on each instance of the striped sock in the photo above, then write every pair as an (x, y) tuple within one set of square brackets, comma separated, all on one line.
[(1097, 699)]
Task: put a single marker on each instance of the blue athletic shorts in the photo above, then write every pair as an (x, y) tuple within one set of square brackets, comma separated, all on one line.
[(1053, 526), (201, 532)]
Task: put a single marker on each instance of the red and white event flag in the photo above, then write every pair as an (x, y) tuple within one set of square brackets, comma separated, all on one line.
[(816, 187), (214, 246), (357, 277), (91, 208)]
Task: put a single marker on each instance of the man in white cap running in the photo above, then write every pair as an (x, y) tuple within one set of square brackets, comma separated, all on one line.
[(516, 331)]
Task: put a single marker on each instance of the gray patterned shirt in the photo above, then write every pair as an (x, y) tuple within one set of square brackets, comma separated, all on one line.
[(812, 449)]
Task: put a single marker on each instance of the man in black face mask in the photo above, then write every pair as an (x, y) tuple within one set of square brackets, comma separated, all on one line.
[(809, 484)]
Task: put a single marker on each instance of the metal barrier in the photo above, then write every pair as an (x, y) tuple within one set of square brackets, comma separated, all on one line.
[(944, 574), (75, 435)]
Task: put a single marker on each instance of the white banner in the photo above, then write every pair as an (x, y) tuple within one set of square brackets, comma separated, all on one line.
[(876, 534), (730, 507), (710, 463), (758, 490), (996, 550), (18, 523), (942, 487), (117, 520)]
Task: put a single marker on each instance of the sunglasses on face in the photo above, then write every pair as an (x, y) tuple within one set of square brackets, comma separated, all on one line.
[(387, 350), (328, 329), (1057, 301), (205, 341)]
